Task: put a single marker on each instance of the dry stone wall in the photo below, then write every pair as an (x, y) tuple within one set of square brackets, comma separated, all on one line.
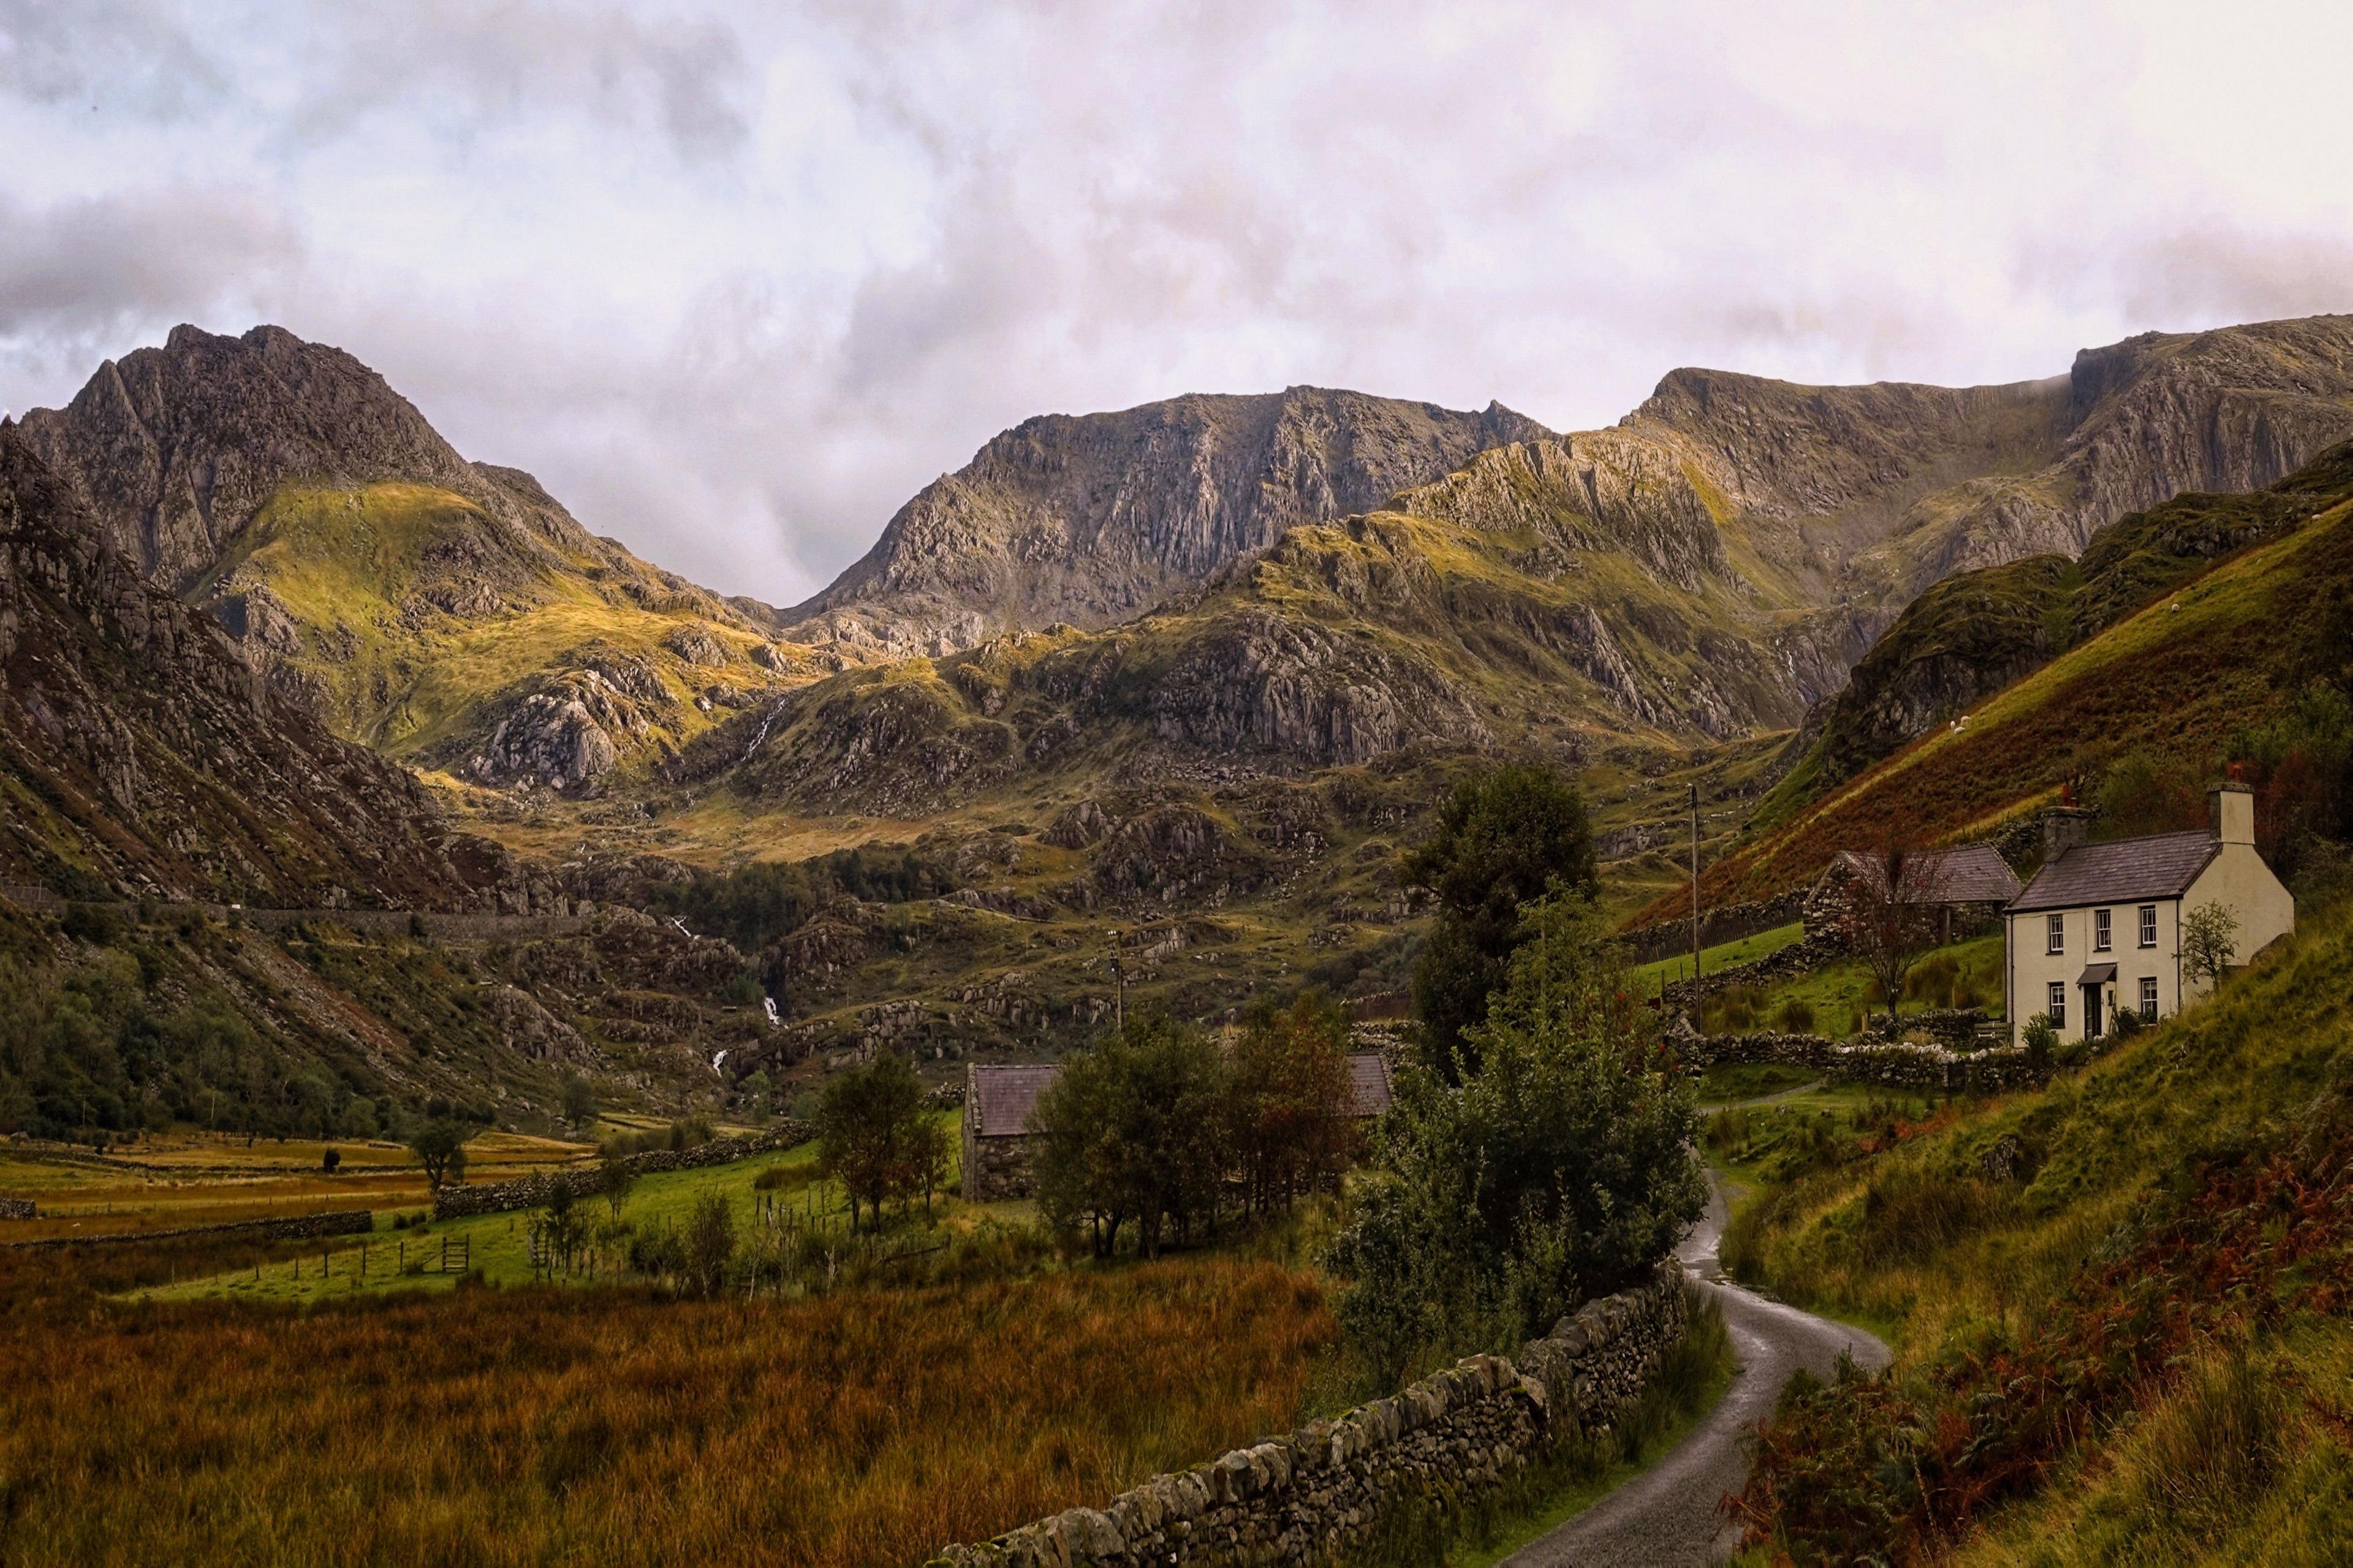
[(531, 1192), (289, 1227), (1896, 1063), (1327, 1489), (18, 1209)]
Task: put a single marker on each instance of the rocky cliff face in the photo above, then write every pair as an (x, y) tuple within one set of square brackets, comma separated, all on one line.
[(139, 753), (1094, 520)]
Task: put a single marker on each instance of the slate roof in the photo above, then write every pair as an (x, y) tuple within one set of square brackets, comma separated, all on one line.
[(1004, 1095), (2161, 866), (1973, 874)]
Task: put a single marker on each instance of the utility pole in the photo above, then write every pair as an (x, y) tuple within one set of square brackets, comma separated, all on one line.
[(1696, 981), (1118, 987)]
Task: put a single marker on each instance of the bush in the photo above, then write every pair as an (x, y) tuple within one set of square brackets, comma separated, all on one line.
[(329, 1160), (1732, 1010), (1560, 1169), (2040, 1038), (1796, 1017)]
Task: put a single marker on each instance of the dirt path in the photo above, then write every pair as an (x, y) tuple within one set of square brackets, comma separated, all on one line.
[(1666, 1516)]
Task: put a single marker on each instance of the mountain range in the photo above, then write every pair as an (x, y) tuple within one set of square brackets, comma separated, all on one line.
[(1207, 661)]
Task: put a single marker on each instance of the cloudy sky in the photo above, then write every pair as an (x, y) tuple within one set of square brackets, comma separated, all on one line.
[(736, 281)]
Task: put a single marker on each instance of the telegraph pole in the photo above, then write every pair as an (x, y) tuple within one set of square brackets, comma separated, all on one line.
[(1695, 987), (1118, 988)]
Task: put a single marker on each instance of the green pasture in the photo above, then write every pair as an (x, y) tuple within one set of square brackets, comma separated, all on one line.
[(1647, 978)]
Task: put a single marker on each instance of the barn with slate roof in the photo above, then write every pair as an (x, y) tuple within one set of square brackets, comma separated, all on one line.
[(998, 1099)]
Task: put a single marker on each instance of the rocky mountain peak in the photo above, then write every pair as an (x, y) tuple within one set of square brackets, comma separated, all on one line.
[(173, 449), (1092, 518)]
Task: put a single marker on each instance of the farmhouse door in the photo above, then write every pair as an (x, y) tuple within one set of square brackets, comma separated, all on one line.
[(2092, 1012)]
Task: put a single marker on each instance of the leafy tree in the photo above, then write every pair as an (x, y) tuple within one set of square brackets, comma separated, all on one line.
[(1558, 1170), (1504, 839), (330, 1160), (579, 1100), (866, 1131), (440, 1147), (760, 1091), (562, 1226), (1134, 1129), (928, 1157), (710, 1242), (2210, 941), (1290, 1111), (614, 1180)]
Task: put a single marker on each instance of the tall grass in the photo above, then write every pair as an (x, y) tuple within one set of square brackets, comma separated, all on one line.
[(537, 1426)]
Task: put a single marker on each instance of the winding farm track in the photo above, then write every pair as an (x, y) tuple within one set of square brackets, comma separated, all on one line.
[(1666, 1517)]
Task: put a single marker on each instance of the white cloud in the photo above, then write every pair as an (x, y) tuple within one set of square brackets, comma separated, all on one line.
[(738, 280)]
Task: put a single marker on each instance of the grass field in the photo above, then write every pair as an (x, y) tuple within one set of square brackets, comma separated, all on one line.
[(1646, 978), (1833, 999), (529, 1426)]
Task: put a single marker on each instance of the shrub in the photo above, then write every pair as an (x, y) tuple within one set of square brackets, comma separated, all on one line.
[(2040, 1038), (329, 1160), (1732, 1009), (710, 1242), (1796, 1017), (1560, 1168)]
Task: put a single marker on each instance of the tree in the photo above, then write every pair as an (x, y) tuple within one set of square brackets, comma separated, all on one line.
[(1134, 1129), (329, 1160), (928, 1158), (866, 1131), (1558, 1170), (710, 1242), (440, 1147), (1890, 917), (1292, 1129), (759, 1089), (1503, 838), (614, 1180), (579, 1100), (2210, 941), (562, 1228)]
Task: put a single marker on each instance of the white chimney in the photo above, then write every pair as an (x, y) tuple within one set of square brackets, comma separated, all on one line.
[(2234, 807)]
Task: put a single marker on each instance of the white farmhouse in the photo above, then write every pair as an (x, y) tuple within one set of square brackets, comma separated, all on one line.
[(2100, 926)]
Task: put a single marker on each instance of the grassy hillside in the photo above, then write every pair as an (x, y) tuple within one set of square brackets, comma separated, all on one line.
[(2172, 681), (2118, 1303), (412, 618), (1975, 633)]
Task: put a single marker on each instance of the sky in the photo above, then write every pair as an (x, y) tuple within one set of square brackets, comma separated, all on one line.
[(736, 281)]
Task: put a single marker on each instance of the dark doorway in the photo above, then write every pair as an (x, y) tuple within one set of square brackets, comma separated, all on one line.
[(2092, 1012)]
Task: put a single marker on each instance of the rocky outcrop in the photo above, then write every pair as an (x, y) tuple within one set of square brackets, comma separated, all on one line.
[(1094, 520), (149, 757), (175, 449)]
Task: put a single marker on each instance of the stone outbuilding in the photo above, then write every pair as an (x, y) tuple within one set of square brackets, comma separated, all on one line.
[(1969, 888), (999, 1096), (2099, 927)]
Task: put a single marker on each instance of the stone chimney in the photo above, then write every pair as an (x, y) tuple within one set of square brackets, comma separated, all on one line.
[(2233, 805), (2063, 827)]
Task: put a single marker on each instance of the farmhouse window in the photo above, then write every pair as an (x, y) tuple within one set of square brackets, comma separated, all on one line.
[(2148, 998), (2101, 939), (2056, 941), (2058, 1004), (2148, 925)]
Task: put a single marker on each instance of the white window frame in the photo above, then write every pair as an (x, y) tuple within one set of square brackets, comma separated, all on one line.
[(2103, 931), (2057, 1008), (2054, 935), (2148, 925), (2148, 998)]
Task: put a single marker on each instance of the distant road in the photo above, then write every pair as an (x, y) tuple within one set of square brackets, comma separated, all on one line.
[(1665, 1517)]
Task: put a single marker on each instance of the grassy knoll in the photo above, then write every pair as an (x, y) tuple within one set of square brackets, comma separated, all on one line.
[(2117, 1304), (1646, 978)]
